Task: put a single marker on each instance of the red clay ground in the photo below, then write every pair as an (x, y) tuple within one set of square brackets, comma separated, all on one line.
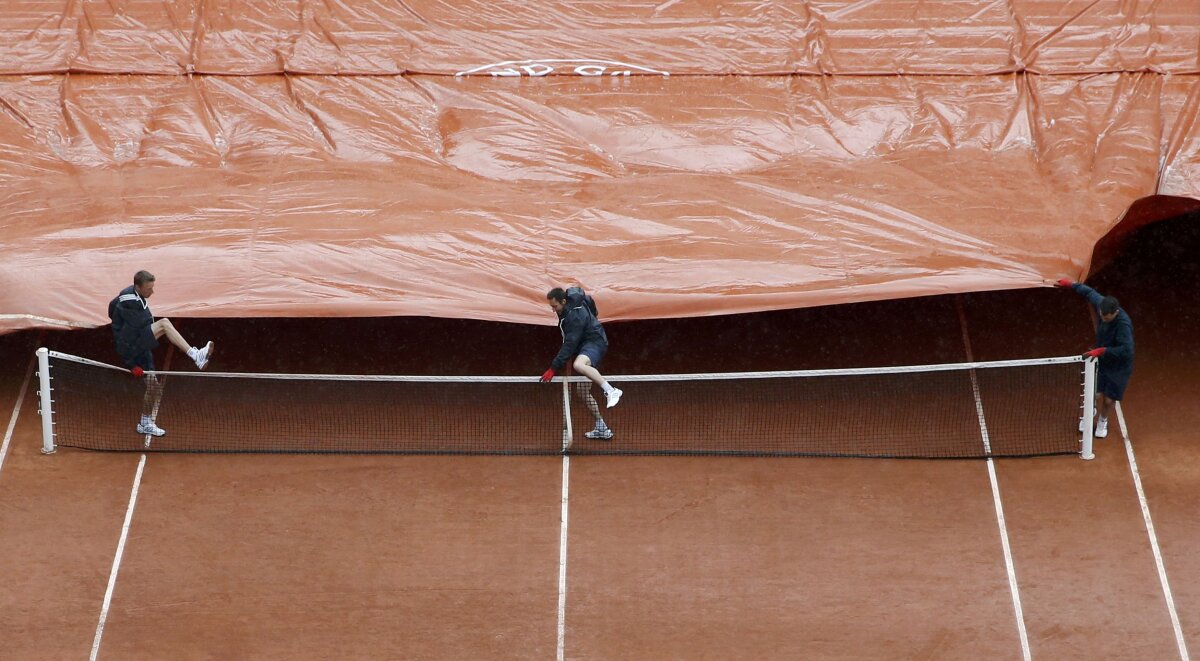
[(432, 557)]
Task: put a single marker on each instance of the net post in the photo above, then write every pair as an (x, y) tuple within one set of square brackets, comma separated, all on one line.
[(46, 408), (568, 437), (1089, 408)]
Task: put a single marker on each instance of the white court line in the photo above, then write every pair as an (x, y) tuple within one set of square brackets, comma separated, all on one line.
[(1158, 560), (12, 422), (112, 577), (1009, 564), (562, 560)]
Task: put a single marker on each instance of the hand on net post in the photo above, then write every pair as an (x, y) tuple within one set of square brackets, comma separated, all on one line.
[(1094, 353), (1064, 283), (547, 375)]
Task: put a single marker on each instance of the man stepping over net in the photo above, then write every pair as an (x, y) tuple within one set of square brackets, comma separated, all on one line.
[(584, 338), (1114, 349), (136, 333)]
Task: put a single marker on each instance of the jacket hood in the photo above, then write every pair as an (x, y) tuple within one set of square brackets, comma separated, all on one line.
[(575, 296)]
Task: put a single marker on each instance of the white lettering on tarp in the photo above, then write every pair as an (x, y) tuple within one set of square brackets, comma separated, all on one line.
[(536, 68)]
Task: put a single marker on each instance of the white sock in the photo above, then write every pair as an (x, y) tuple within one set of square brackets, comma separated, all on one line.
[(1103, 421), (146, 420), (608, 389), (193, 353), (600, 425)]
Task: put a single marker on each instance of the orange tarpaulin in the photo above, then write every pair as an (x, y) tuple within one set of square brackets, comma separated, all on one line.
[(576, 147), (678, 36)]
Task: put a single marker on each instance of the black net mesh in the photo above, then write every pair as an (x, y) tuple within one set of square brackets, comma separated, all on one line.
[(1009, 411)]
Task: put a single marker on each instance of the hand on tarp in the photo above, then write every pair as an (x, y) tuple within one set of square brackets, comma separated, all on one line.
[(137, 372), (1065, 283), (547, 375), (1094, 353)]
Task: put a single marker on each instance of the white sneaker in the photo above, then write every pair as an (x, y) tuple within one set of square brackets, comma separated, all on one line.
[(203, 356), (1102, 429), (614, 396), (600, 434), (150, 428)]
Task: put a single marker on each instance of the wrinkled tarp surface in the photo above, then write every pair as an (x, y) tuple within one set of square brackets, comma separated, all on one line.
[(679, 36), (322, 159)]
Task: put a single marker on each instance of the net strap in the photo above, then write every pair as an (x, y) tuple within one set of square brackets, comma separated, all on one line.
[(632, 378)]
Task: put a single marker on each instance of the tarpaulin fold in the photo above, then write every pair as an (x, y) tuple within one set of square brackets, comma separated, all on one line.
[(298, 158), (682, 196), (729, 37)]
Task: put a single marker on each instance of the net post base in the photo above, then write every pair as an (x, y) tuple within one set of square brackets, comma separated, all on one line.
[(1089, 409)]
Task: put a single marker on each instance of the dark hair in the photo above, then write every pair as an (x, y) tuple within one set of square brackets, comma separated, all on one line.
[(1109, 305), (557, 294), (142, 277)]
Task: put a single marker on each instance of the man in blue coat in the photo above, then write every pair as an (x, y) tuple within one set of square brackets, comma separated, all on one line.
[(136, 333), (585, 340), (1114, 349)]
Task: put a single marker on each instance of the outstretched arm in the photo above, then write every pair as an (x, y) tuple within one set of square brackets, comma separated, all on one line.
[(572, 335), (1094, 297)]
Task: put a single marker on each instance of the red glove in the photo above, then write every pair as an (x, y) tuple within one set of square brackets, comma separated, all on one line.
[(547, 375), (1064, 283), (1095, 353), (137, 372)]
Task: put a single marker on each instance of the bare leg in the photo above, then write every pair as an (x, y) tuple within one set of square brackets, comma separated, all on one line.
[(583, 365), (153, 393), (165, 327), (201, 356), (1102, 405), (584, 391)]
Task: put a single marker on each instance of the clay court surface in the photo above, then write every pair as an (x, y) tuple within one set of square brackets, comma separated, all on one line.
[(298, 556)]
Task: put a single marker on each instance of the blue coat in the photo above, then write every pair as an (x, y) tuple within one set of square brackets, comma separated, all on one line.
[(579, 325), (1115, 336), (131, 321)]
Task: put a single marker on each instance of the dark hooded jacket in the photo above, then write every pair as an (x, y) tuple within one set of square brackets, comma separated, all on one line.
[(131, 321), (1115, 336), (579, 324)]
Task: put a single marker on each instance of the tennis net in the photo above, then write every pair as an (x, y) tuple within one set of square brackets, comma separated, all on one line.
[(967, 410)]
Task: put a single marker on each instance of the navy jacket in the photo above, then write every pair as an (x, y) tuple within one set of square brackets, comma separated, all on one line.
[(1115, 336), (579, 325), (131, 320)]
